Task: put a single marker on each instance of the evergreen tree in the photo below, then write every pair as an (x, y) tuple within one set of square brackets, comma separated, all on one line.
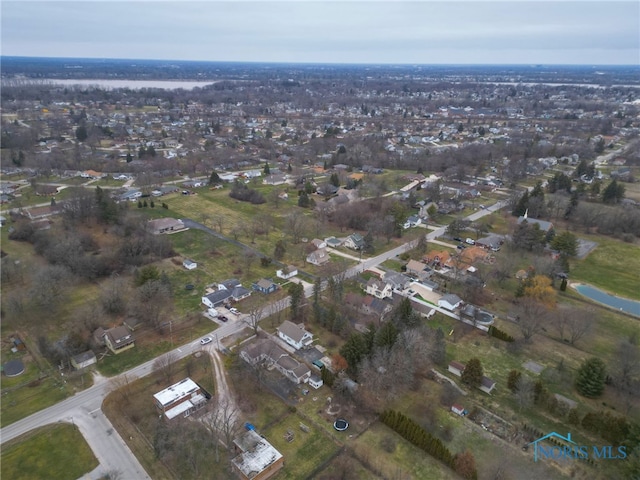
[(368, 243), (565, 243), (279, 250), (296, 292), (335, 180), (438, 352), (81, 133), (214, 179), (521, 207), (129, 157), (303, 199), (590, 378), (267, 170), (472, 373), (513, 379), (613, 193)]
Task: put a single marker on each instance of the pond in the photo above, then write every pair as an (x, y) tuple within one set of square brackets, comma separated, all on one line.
[(619, 303)]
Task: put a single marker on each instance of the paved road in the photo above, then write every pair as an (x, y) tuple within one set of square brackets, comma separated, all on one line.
[(84, 408)]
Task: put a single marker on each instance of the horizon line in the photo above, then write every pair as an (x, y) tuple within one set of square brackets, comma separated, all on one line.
[(257, 62)]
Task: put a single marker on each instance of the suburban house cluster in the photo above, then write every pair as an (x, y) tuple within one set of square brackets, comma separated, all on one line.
[(266, 352), (223, 293)]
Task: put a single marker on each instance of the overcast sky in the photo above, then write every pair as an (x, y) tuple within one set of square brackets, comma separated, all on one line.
[(387, 31)]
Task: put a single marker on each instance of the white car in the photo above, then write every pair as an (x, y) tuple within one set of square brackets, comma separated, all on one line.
[(234, 310), (206, 340), (470, 241)]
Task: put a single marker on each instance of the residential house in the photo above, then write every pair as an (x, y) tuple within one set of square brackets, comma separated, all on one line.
[(449, 302), (265, 285), (181, 398), (130, 195), (375, 306), (491, 242), (487, 385), (189, 264), (294, 335), (119, 339), (458, 409), (165, 225), (287, 272), (333, 242), (354, 241), (265, 351), (417, 269), (316, 242), (378, 288), (257, 459), (412, 221), (275, 179), (83, 360), (228, 290), (318, 257), (397, 281), (315, 381), (456, 368)]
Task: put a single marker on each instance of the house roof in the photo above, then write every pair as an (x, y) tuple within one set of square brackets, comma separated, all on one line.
[(257, 454), (291, 330), (119, 335), (230, 283), (263, 347), (416, 266), (457, 365), (84, 356), (265, 283), (176, 391), (544, 225), (240, 292), (396, 279), (487, 382), (164, 223), (451, 299), (218, 296), (318, 256)]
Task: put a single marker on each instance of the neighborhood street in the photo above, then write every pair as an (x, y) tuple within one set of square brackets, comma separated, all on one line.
[(84, 408)]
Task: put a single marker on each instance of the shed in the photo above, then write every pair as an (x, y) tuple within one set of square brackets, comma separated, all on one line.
[(83, 360)]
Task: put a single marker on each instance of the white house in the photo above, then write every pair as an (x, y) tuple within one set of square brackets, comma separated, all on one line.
[(459, 409), (449, 302), (83, 360), (189, 264), (318, 257), (456, 368), (316, 242), (287, 272), (487, 385), (354, 241), (412, 221), (315, 381), (294, 335), (379, 289)]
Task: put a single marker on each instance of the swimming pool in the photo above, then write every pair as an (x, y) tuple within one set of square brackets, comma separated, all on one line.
[(619, 303)]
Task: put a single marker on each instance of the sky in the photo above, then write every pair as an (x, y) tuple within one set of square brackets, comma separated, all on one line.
[(345, 31)]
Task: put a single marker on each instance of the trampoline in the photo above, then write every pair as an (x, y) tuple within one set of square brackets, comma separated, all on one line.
[(13, 368), (341, 424)]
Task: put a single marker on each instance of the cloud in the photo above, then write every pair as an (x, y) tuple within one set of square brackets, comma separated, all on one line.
[(351, 31)]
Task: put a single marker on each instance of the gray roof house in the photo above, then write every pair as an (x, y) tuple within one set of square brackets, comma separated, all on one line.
[(449, 301), (294, 335), (355, 241)]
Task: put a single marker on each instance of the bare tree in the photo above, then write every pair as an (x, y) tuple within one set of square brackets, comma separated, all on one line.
[(218, 220), (255, 310), (165, 365), (123, 386), (531, 316), (222, 421), (580, 324), (524, 392), (295, 224)]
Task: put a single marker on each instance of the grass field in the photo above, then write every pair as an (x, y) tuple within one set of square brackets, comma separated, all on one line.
[(54, 452), (612, 266)]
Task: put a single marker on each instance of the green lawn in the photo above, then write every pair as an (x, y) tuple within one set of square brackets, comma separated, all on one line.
[(612, 266), (54, 452), (306, 452)]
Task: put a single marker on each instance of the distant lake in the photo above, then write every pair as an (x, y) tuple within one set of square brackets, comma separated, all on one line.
[(132, 84), (619, 303)]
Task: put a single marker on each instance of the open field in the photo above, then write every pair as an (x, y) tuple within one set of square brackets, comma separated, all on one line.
[(612, 266), (54, 452)]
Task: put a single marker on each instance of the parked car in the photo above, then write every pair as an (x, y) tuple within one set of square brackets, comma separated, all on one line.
[(457, 239), (470, 241), (206, 340), (234, 310), (222, 318)]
